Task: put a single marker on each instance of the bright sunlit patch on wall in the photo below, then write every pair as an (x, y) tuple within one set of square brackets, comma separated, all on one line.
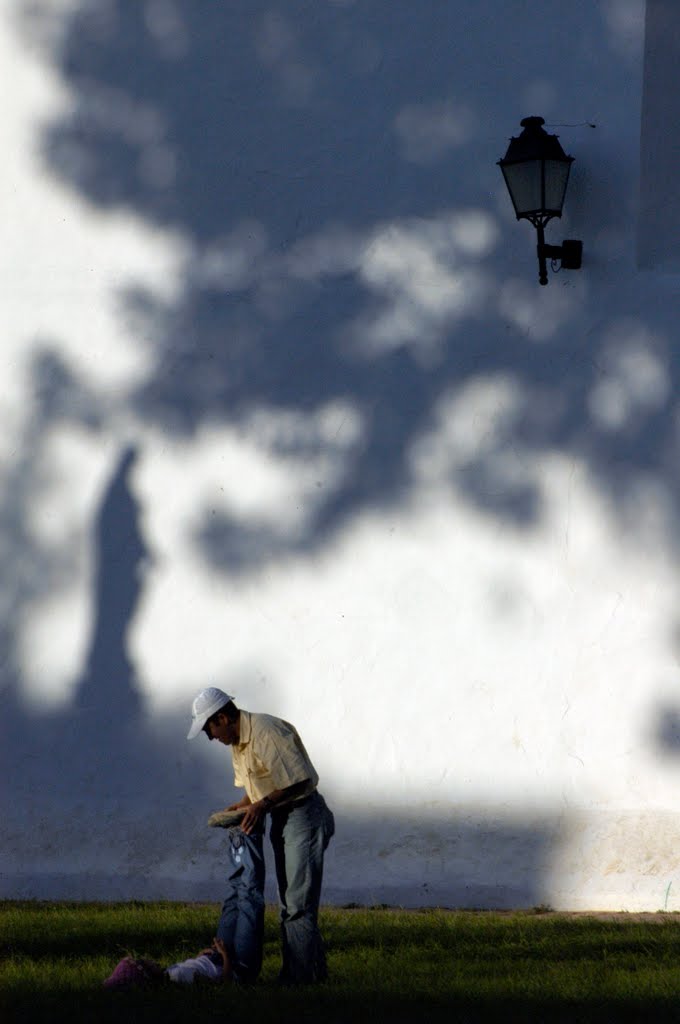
[(539, 313), (269, 470), (52, 645), (473, 429), (72, 257), (553, 603), (467, 424), (635, 379), (52, 634), (474, 232), (427, 276), (530, 707), (270, 474), (71, 468)]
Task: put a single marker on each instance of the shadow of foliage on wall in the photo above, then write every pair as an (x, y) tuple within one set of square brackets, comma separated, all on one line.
[(349, 279)]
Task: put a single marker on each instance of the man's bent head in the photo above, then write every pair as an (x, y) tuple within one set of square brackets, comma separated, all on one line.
[(209, 703)]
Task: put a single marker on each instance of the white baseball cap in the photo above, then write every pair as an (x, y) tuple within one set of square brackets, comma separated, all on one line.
[(206, 704)]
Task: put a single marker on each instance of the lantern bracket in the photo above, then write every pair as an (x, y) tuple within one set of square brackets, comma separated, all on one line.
[(570, 255)]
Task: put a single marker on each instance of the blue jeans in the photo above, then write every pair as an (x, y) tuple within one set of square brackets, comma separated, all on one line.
[(299, 835), (241, 924)]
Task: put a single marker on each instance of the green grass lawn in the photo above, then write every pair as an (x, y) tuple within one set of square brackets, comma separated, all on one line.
[(385, 965)]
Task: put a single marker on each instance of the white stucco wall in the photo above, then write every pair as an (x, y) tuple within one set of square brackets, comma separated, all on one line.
[(285, 410)]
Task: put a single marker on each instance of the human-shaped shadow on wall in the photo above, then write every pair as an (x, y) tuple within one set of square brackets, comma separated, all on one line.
[(108, 680), (115, 757)]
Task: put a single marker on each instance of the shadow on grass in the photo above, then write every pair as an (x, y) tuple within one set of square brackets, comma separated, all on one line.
[(331, 1004), (38, 930), (390, 965)]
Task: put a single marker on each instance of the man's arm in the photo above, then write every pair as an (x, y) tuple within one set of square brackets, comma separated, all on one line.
[(277, 798)]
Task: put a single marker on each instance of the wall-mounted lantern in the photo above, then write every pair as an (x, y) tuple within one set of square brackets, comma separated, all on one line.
[(536, 171)]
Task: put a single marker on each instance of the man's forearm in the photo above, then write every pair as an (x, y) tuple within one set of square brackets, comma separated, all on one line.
[(277, 798)]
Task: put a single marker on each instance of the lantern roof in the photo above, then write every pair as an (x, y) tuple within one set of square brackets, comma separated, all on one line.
[(534, 144)]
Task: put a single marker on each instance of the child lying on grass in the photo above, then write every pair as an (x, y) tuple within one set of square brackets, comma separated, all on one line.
[(211, 965)]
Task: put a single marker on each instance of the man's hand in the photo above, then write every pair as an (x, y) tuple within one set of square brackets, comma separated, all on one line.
[(253, 816)]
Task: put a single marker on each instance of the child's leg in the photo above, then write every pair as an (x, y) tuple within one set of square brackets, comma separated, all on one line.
[(241, 925)]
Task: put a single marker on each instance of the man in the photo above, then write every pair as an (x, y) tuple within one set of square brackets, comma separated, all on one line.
[(272, 765)]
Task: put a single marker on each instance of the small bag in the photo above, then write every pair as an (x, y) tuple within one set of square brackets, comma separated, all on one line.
[(136, 972)]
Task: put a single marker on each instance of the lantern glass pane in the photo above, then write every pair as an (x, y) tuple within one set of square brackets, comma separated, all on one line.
[(556, 177), (524, 181)]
